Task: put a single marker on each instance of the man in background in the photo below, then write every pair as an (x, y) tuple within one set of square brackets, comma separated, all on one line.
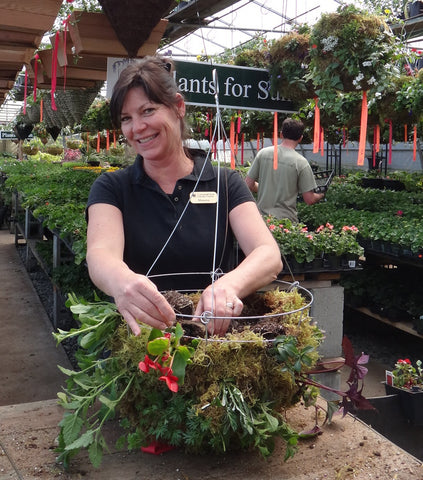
[(277, 190)]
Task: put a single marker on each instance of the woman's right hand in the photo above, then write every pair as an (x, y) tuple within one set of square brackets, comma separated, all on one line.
[(138, 300)]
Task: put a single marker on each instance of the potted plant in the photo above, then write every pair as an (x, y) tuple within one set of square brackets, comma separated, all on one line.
[(406, 381)]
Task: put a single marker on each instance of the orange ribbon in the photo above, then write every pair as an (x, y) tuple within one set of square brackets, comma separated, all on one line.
[(363, 130)]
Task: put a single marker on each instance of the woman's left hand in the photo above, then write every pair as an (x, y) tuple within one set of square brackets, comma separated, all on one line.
[(217, 301)]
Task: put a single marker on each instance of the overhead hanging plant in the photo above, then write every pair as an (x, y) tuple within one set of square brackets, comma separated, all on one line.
[(289, 64), (350, 50), (97, 118)]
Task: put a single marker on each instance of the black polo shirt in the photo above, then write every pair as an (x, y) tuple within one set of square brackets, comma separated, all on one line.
[(150, 216)]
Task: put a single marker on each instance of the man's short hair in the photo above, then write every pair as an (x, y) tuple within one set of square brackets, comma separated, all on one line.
[(292, 129)]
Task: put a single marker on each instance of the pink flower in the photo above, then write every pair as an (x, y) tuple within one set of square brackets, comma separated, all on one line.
[(400, 213), (272, 228)]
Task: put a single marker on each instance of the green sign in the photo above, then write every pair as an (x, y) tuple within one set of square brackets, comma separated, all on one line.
[(238, 87)]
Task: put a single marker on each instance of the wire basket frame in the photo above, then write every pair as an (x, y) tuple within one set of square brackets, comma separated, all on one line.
[(208, 317)]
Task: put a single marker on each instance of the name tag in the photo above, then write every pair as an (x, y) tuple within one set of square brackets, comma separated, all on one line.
[(203, 197)]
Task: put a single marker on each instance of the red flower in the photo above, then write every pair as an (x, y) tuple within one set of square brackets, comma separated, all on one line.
[(400, 213), (171, 382), (147, 364), (314, 45), (406, 360)]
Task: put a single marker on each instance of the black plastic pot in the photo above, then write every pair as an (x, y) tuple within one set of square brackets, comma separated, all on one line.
[(411, 403), (390, 184), (372, 183), (23, 130)]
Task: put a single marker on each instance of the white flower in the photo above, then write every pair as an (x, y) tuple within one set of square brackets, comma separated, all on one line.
[(329, 43), (367, 63), (371, 81)]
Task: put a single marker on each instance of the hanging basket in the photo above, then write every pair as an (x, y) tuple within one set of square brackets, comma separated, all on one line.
[(228, 393), (350, 50), (124, 16), (265, 312), (23, 130), (289, 63)]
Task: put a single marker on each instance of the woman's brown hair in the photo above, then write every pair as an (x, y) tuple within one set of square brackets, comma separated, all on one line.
[(156, 76)]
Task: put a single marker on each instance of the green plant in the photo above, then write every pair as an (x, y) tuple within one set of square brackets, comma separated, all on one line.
[(305, 245)]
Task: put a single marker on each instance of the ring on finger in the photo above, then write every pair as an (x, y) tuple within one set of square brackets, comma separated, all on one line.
[(230, 305)]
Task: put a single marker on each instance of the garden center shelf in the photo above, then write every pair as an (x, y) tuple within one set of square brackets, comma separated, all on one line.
[(404, 326), (30, 232)]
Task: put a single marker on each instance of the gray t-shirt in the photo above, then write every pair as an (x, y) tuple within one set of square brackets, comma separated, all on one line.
[(278, 189)]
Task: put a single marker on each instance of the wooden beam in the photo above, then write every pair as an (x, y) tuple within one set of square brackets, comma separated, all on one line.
[(15, 38), (85, 74), (71, 83), (4, 83), (15, 55), (29, 15)]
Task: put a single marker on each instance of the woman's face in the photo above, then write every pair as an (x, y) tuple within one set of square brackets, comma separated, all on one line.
[(152, 129)]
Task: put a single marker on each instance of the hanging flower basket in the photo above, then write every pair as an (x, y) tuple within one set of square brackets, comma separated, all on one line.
[(289, 63), (189, 389), (29, 149), (350, 50)]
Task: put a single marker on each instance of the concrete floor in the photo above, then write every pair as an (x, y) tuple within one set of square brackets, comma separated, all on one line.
[(28, 353)]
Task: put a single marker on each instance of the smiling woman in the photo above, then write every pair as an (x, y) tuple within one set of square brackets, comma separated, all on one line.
[(194, 212)]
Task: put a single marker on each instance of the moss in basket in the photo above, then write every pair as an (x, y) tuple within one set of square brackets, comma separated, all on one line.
[(234, 393)]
